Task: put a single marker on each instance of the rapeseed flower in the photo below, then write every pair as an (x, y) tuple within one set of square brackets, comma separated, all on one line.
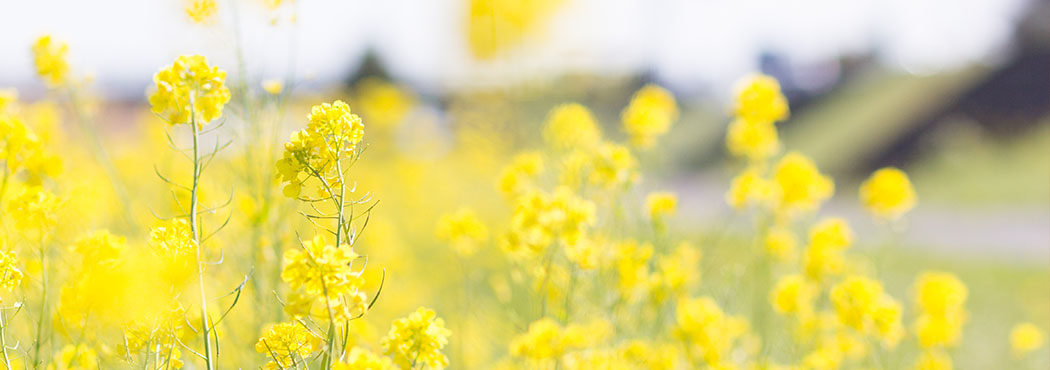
[(189, 90), (1025, 338), (759, 99), (417, 339), (888, 193), (51, 60), (649, 115), (571, 126), (287, 345)]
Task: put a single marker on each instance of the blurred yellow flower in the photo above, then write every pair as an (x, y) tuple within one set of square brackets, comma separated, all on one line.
[(661, 204), (571, 126), (201, 11), (933, 360), (759, 99), (888, 193), (801, 186), (273, 86), (51, 61), (287, 344), (384, 103), (792, 294), (189, 90), (940, 293), (711, 332), (749, 188), (362, 359), (417, 339), (496, 26), (462, 230), (649, 115), (1025, 338), (754, 140), (780, 243), (78, 357)]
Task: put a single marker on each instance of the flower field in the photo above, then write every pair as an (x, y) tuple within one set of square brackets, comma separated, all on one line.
[(237, 222)]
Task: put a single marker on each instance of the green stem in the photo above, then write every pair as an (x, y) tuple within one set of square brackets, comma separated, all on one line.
[(3, 340), (43, 303), (195, 229)]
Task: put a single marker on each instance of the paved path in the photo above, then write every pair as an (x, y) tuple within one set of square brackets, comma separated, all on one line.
[(1021, 233)]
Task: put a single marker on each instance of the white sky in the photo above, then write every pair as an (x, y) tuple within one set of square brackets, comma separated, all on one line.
[(689, 44)]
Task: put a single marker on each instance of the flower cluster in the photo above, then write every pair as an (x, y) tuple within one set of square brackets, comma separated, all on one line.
[(759, 105), (709, 332), (331, 136), (940, 298), (288, 345), (323, 281), (51, 60), (888, 193), (649, 115), (417, 339), (462, 230), (541, 218), (189, 91), (547, 341)]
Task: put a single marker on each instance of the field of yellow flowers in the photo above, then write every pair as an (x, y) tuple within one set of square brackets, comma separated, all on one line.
[(237, 225)]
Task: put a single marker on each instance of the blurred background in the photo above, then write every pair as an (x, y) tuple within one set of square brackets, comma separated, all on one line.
[(954, 92)]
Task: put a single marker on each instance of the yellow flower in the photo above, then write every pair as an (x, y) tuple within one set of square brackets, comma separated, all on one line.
[(1025, 338), (384, 103), (546, 340), (496, 26), (417, 339), (888, 193), (571, 126), (661, 204), (331, 136), (710, 331), (189, 90), (8, 100), (33, 209), (582, 250), (759, 100), (540, 217), (79, 357), (99, 248), (201, 11), (517, 176), (51, 61), (935, 331), (750, 189), (780, 243), (833, 233), (861, 304), (362, 359), (933, 360), (273, 86), (613, 166), (462, 230), (10, 274), (649, 115), (940, 293), (632, 265), (287, 344), (321, 275), (754, 140), (793, 295), (801, 186)]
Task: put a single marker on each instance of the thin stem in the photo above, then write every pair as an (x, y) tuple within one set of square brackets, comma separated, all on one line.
[(43, 303), (3, 340), (195, 229)]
